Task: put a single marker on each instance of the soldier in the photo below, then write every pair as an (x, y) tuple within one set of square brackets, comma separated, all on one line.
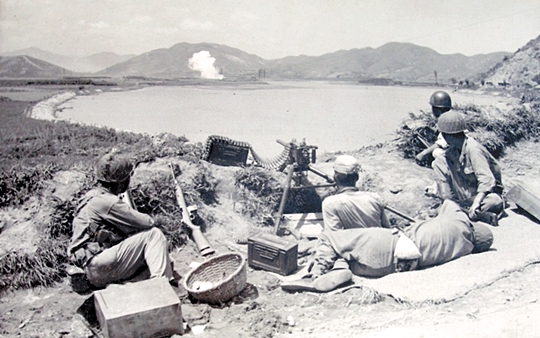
[(111, 241), (440, 103), (377, 252), (351, 208), (467, 173)]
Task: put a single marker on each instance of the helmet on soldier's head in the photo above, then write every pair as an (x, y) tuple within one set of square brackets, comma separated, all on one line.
[(113, 167), (483, 238), (451, 122), (440, 99)]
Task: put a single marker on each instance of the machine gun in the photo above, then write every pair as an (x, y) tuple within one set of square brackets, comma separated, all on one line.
[(198, 237), (299, 162), (297, 166)]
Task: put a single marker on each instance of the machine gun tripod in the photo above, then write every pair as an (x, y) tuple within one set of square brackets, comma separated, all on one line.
[(297, 167)]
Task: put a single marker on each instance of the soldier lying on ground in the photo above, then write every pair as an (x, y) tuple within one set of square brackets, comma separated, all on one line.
[(376, 252), (111, 241)]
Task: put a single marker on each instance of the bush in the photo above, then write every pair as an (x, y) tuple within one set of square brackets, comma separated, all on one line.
[(494, 129), (19, 183), (258, 193)]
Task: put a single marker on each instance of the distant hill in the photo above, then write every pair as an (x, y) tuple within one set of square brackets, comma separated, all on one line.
[(173, 62), (397, 61), (29, 67), (404, 62), (520, 69), (89, 64)]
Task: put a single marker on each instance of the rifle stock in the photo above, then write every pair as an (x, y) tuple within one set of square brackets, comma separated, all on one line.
[(198, 237)]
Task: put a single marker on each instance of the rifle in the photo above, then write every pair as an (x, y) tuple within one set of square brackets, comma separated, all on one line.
[(126, 197), (198, 237), (399, 213)]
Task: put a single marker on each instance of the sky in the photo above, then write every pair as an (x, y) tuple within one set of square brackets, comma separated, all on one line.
[(268, 28)]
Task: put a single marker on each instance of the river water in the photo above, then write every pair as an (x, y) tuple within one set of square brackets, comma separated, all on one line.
[(332, 116)]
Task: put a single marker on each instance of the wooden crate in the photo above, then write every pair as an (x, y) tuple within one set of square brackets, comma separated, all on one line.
[(525, 200), (149, 308)]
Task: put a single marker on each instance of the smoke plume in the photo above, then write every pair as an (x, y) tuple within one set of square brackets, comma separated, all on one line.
[(204, 63)]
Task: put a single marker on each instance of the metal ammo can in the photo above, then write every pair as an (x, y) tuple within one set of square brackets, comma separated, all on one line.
[(272, 253)]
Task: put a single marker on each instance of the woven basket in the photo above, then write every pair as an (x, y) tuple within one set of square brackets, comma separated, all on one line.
[(227, 274)]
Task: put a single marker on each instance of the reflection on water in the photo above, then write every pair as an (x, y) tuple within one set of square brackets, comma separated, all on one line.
[(329, 115)]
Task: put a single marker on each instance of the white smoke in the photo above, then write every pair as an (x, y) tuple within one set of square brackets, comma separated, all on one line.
[(204, 63)]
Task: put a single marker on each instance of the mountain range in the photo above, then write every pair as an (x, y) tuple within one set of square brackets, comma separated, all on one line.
[(393, 61), (28, 67), (76, 64)]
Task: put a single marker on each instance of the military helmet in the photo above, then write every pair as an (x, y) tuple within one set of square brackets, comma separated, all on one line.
[(452, 122), (483, 238), (113, 167), (440, 99)]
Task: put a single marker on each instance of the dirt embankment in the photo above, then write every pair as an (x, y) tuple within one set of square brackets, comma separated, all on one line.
[(506, 307)]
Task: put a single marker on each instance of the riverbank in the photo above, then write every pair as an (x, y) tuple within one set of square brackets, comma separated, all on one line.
[(46, 109)]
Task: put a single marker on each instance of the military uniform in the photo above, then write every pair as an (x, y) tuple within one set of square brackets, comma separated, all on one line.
[(112, 242), (466, 172), (371, 252)]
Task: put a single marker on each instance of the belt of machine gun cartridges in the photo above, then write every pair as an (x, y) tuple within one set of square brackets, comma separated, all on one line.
[(225, 151)]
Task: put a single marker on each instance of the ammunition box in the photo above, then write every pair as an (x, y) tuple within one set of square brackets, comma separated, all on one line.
[(149, 308), (525, 200), (273, 253), (228, 154)]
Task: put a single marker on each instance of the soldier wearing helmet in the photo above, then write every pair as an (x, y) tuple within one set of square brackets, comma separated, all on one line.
[(440, 103), (111, 241), (467, 173)]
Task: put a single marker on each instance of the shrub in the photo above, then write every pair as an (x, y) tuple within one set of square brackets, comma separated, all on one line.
[(21, 182), (494, 129), (258, 193)]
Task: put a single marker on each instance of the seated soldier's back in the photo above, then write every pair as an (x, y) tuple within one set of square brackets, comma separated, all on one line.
[(352, 209)]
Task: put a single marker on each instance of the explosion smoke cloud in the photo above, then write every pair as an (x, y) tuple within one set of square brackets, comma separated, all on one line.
[(204, 63)]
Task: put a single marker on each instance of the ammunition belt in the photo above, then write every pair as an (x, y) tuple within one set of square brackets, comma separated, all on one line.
[(278, 162)]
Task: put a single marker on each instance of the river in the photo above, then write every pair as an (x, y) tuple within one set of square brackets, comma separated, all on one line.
[(332, 116)]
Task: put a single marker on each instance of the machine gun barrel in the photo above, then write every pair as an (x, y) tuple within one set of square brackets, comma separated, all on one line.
[(198, 237)]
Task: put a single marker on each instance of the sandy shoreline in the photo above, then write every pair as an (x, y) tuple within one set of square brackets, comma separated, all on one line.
[(46, 109)]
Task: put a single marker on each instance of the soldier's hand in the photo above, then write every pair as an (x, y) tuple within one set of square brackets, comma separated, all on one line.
[(473, 211)]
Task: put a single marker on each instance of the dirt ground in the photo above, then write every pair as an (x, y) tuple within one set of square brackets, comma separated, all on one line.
[(507, 307)]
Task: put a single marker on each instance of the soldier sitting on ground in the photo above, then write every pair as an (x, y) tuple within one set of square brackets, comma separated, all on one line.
[(468, 173), (111, 241), (351, 208)]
